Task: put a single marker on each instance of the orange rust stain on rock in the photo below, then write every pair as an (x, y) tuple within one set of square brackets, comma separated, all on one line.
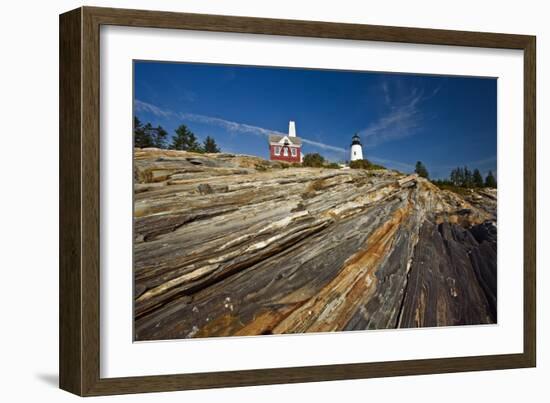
[(335, 303), (442, 310), (230, 324), (420, 309), (298, 296), (265, 322), (225, 325)]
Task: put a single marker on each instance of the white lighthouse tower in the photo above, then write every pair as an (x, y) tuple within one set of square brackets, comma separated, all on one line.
[(291, 129), (356, 148)]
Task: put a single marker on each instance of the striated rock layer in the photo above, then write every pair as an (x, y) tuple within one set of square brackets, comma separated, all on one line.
[(235, 245)]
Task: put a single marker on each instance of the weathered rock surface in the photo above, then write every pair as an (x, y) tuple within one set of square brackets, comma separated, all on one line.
[(236, 245)]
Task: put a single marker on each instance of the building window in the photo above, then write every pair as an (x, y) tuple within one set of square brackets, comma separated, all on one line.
[(285, 151), (277, 150), (293, 152)]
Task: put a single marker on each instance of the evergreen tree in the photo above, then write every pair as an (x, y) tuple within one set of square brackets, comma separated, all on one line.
[(137, 123), (148, 133), (490, 180), (185, 140), (149, 136), (461, 176), (421, 170), (477, 178), (159, 137), (468, 178), (142, 137), (454, 177), (364, 164), (210, 146)]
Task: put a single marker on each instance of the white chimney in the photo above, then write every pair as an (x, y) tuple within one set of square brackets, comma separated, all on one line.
[(291, 129)]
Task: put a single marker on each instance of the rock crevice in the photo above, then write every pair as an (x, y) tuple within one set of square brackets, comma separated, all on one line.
[(236, 245)]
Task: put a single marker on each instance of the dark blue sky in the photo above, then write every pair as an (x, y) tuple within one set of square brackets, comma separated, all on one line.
[(443, 121)]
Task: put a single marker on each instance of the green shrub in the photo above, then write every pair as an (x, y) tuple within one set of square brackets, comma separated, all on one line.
[(261, 168), (448, 185), (364, 164), (314, 160)]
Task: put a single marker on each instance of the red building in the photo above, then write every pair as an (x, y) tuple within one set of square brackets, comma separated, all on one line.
[(286, 148)]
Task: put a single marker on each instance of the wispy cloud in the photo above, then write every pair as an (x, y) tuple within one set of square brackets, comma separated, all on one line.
[(141, 106), (403, 120), (435, 91), (404, 117), (250, 129), (230, 126), (227, 124), (337, 153), (324, 146), (188, 96), (386, 92)]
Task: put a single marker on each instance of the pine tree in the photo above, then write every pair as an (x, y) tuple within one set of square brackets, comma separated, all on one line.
[(477, 178), (137, 123), (185, 140), (149, 136), (468, 178), (463, 177), (490, 180), (159, 137), (148, 133), (421, 170), (454, 177), (460, 176), (210, 146), (142, 137)]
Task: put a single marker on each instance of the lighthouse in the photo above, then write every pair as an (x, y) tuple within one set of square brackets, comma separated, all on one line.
[(356, 148), (291, 129)]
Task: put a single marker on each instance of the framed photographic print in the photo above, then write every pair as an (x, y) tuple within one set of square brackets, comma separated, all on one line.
[(250, 201)]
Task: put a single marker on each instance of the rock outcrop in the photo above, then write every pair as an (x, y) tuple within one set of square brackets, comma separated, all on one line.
[(235, 245)]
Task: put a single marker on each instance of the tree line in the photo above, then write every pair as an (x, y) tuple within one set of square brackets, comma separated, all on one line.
[(464, 177), (145, 136), (460, 177)]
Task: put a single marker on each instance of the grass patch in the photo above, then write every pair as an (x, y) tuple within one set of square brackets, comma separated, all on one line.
[(313, 187), (463, 191), (365, 164), (260, 168), (316, 185)]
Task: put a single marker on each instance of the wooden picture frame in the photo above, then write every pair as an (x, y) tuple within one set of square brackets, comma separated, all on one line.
[(80, 184)]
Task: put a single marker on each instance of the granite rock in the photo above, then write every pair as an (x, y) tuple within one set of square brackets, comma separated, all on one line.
[(235, 245)]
